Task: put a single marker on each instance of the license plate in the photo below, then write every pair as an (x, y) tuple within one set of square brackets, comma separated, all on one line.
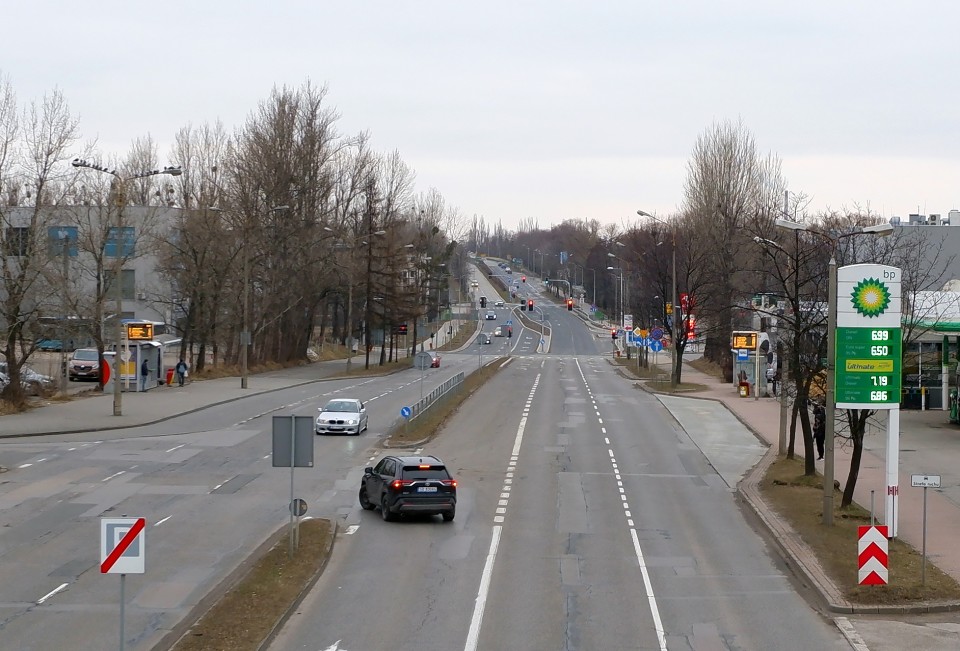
[(427, 489)]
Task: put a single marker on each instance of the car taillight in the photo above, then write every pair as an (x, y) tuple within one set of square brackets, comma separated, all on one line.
[(397, 484), (449, 482)]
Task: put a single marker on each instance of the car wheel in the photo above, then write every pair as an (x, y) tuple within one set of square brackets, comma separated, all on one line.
[(385, 511), (365, 502), (449, 515)]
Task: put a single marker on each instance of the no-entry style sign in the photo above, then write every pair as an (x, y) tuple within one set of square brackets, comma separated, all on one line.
[(872, 555), (122, 545)]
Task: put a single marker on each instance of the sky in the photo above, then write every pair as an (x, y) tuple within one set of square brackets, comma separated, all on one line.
[(531, 111)]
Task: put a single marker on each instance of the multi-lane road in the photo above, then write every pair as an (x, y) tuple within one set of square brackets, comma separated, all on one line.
[(588, 518)]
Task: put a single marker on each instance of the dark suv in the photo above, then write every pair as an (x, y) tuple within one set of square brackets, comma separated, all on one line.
[(401, 485)]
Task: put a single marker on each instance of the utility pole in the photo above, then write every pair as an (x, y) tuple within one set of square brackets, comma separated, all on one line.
[(65, 243)]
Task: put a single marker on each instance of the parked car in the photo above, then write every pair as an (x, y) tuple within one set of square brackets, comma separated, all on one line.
[(47, 345), (84, 364), (33, 383), (342, 416), (400, 485)]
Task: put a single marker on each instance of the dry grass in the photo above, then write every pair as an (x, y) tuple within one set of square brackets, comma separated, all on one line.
[(799, 501), (704, 365), (655, 378), (427, 425), (248, 613)]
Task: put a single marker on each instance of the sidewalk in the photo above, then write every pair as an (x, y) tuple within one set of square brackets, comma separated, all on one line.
[(94, 412), (943, 515)]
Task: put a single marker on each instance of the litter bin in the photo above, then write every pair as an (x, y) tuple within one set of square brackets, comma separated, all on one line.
[(744, 388), (169, 377)]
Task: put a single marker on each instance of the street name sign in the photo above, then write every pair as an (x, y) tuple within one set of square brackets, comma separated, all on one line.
[(925, 481)]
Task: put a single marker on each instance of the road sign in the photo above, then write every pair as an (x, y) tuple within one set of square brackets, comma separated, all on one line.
[(872, 555), (645, 342), (122, 545), (656, 333), (656, 345), (744, 339), (298, 507), (742, 355), (301, 439), (406, 412), (638, 331), (644, 332), (925, 481), (125, 355)]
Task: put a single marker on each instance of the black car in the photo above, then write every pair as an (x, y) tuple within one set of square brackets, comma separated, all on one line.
[(401, 485)]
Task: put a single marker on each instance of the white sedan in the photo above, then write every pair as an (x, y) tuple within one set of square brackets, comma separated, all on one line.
[(498, 304), (342, 416)]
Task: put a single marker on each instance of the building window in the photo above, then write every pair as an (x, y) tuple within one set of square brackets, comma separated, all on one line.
[(17, 241), (128, 283), (57, 236), (126, 239)]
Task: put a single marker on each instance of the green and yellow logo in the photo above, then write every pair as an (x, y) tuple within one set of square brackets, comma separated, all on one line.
[(870, 297)]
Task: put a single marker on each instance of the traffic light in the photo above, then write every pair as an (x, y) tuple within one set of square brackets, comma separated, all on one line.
[(569, 304), (523, 278), (613, 333), (523, 306), (530, 305)]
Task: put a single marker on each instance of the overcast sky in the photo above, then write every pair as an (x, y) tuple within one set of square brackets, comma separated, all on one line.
[(544, 110)]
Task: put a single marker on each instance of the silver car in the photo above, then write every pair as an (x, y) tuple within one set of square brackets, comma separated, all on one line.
[(342, 416)]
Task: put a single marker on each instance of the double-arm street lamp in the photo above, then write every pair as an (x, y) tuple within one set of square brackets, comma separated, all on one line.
[(830, 406), (677, 313), (120, 198), (619, 272)]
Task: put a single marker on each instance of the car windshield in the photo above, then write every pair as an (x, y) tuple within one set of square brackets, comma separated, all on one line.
[(85, 355), (433, 472), (342, 405)]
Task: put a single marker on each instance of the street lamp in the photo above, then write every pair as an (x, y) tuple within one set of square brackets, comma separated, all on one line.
[(879, 230), (785, 362), (620, 277), (674, 358), (120, 198)]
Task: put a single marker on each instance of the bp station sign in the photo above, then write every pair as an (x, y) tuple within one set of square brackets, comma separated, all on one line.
[(868, 338)]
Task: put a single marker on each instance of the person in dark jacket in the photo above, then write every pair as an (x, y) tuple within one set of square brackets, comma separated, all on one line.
[(144, 374), (819, 427), (181, 370)]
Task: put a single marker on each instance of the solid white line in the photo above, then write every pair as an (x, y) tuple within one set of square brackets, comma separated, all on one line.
[(849, 632), (25, 465), (473, 634), (654, 611), (176, 447), (51, 593), (159, 522), (116, 474)]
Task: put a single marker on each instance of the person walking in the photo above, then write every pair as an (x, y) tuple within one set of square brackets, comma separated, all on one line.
[(181, 370), (772, 380), (144, 374), (819, 427)]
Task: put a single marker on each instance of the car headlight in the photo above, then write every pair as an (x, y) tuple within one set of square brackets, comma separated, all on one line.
[(352, 421), (321, 421)]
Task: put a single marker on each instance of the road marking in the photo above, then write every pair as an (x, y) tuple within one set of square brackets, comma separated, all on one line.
[(116, 474), (176, 447), (25, 465), (51, 593), (352, 529), (657, 623), (473, 635), (159, 522)]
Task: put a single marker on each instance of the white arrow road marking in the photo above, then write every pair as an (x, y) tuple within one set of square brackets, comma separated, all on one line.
[(51, 593), (334, 647), (351, 529)]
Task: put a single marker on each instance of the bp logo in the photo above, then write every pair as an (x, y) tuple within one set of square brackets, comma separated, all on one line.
[(870, 297)]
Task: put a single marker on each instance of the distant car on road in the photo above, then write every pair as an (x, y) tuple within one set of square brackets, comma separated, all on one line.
[(498, 304), (342, 416), (414, 484), (490, 316), (436, 359), (498, 331), (85, 364), (484, 338)]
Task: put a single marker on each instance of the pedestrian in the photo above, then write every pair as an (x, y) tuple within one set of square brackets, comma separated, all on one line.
[(772, 379), (181, 370), (144, 374), (819, 427)]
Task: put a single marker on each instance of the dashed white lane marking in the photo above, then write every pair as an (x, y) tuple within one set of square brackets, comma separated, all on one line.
[(116, 474), (176, 447), (159, 522), (51, 593), (473, 634), (648, 586)]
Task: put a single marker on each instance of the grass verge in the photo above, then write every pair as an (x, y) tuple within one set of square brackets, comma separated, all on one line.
[(798, 499), (254, 607), (424, 427)]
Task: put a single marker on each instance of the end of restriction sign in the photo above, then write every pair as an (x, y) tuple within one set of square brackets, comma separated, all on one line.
[(122, 545)]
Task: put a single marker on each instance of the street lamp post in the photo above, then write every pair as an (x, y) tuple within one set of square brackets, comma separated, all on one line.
[(120, 198), (619, 273), (830, 406), (674, 363)]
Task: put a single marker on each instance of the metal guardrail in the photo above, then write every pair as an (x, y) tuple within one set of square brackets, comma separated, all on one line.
[(427, 401)]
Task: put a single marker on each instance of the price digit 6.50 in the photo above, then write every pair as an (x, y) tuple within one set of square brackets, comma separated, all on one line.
[(879, 351)]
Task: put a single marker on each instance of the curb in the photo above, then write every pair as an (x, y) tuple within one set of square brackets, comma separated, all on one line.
[(793, 550)]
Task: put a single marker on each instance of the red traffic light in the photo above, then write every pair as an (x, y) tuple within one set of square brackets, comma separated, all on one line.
[(523, 278), (530, 305), (569, 303)]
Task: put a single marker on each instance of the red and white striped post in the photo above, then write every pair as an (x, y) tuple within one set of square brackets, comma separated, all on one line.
[(872, 549)]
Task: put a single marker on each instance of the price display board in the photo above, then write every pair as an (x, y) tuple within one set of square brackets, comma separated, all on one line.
[(744, 341), (140, 331), (868, 338)]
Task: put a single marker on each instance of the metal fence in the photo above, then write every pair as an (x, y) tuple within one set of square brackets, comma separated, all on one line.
[(448, 388)]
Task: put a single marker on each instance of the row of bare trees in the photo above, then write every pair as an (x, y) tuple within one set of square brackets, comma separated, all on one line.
[(319, 236), (728, 250)]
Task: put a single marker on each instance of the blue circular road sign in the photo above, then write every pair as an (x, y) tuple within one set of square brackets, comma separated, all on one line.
[(405, 412), (656, 333), (656, 346)]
